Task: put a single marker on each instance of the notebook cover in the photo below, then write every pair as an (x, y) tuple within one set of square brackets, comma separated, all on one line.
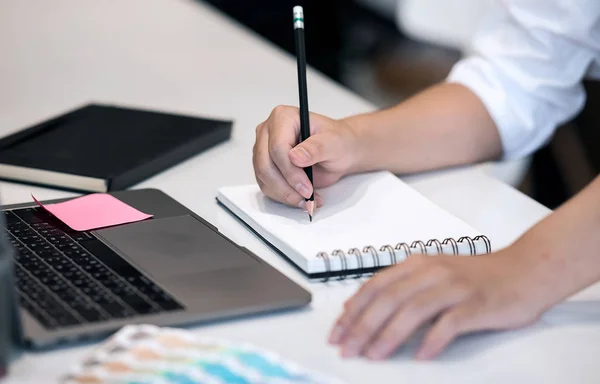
[(325, 276), (373, 209), (120, 145)]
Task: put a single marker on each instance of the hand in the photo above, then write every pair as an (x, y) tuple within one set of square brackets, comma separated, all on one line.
[(459, 294), (278, 160)]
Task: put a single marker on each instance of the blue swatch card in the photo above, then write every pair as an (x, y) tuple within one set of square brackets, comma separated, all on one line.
[(147, 354)]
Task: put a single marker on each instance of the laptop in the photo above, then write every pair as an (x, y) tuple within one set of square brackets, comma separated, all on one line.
[(173, 269)]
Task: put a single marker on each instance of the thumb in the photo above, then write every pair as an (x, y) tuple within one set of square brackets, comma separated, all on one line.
[(317, 148)]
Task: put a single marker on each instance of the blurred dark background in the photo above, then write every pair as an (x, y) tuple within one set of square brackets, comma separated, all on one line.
[(362, 48)]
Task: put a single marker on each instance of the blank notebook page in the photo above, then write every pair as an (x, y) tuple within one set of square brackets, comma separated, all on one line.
[(360, 210)]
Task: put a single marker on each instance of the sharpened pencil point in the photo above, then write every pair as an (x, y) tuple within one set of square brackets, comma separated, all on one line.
[(310, 208), (310, 217)]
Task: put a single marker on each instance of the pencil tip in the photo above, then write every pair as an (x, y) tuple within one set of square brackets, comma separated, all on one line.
[(310, 217), (310, 208)]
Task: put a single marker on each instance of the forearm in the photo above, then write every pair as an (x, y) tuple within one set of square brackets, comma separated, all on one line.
[(444, 126), (563, 251)]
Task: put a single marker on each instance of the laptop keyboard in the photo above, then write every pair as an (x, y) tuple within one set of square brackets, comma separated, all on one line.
[(67, 278)]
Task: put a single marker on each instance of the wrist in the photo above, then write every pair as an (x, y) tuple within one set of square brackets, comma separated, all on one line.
[(547, 271), (362, 143), (539, 282)]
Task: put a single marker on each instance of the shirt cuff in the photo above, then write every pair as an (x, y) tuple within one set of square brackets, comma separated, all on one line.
[(514, 127)]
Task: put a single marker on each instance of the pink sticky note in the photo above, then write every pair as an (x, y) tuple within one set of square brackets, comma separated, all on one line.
[(93, 211)]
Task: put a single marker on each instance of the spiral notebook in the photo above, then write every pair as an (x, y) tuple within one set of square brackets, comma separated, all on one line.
[(368, 221)]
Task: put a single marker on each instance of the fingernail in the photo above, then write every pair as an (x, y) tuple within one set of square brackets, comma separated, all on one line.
[(302, 204), (301, 154), (336, 334), (376, 352), (424, 354), (303, 190), (351, 348), (318, 200)]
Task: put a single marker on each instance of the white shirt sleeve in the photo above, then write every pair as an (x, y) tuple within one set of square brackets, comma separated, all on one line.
[(527, 64)]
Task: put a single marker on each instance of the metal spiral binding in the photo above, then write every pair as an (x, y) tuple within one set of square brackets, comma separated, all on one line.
[(437, 243), (486, 241), (453, 243), (359, 260), (339, 253), (391, 251), (325, 258), (472, 248), (402, 247), (374, 254), (421, 245)]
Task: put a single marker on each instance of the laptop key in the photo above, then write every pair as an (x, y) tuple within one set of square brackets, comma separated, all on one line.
[(59, 286), (45, 232), (34, 290), (75, 254), (90, 314), (138, 303), (155, 293), (66, 319), (17, 232), (30, 215), (86, 310), (55, 309), (80, 236), (88, 280), (111, 259), (68, 246), (117, 289), (10, 217), (58, 239), (89, 287), (13, 223), (144, 285), (36, 312), (168, 304), (24, 233), (24, 255), (41, 225), (37, 246), (115, 309)]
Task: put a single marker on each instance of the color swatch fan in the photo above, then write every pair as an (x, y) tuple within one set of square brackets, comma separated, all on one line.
[(151, 355)]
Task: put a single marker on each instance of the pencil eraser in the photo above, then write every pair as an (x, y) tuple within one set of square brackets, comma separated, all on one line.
[(298, 12)]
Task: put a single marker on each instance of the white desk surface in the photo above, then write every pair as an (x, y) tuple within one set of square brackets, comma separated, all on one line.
[(181, 56)]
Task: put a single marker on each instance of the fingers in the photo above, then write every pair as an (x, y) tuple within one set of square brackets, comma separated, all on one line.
[(474, 315), (316, 149), (463, 294), (366, 294), (372, 321), (276, 175), (268, 176), (415, 312), (279, 148), (451, 325)]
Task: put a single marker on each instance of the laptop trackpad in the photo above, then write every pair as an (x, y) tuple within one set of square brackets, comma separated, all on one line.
[(176, 246)]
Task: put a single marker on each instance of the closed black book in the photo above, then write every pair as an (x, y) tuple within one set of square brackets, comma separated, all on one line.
[(101, 148)]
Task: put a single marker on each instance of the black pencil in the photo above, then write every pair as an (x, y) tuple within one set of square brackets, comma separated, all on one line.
[(303, 92)]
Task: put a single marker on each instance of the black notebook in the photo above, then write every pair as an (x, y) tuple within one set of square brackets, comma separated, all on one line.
[(101, 148)]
